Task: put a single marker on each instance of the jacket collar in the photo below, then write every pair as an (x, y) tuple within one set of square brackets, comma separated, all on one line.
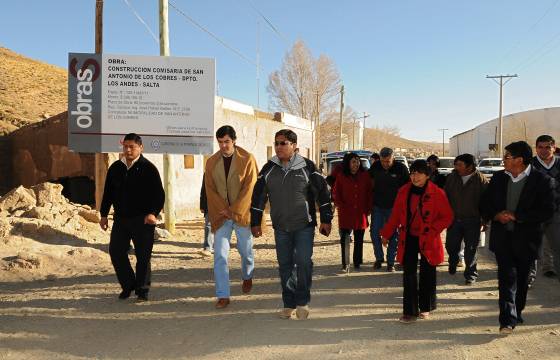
[(296, 162)]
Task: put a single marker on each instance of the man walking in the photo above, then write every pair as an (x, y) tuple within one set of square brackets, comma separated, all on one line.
[(388, 176), (548, 164), (293, 185), (518, 201), (133, 187), (464, 188), (229, 179)]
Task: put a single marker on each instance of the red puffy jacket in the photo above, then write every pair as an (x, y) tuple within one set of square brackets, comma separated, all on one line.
[(353, 198), (436, 215)]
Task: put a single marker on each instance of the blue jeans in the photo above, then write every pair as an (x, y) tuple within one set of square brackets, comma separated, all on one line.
[(208, 236), (222, 238), (293, 251), (378, 218)]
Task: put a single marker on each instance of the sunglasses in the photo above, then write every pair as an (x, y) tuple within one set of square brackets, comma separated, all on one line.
[(281, 143)]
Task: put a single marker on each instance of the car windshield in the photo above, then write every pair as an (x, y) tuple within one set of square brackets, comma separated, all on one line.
[(446, 163), (488, 162)]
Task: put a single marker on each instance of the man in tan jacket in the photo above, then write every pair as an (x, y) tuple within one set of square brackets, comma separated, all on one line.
[(231, 174)]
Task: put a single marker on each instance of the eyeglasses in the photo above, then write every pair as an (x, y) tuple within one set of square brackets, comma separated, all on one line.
[(281, 143), (508, 157)]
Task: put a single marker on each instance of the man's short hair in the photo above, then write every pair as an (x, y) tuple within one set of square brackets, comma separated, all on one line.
[(134, 137), (386, 152), (433, 157), (521, 149), (288, 134), (545, 138), (375, 156), (226, 130), (467, 159)]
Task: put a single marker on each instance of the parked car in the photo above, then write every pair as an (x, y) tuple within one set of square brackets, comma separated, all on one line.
[(446, 165), (402, 160), (489, 166)]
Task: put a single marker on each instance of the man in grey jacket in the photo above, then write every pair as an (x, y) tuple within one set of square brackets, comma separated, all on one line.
[(293, 185), (464, 188)]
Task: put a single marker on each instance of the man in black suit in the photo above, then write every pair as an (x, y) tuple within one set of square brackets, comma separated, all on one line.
[(518, 201)]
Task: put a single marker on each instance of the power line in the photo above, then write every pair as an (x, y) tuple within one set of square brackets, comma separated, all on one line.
[(141, 21), (531, 28), (274, 29), (192, 21), (532, 59)]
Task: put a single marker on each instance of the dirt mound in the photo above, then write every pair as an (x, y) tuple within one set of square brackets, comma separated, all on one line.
[(30, 91)]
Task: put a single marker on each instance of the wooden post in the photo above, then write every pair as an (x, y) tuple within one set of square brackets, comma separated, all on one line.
[(101, 160), (168, 168)]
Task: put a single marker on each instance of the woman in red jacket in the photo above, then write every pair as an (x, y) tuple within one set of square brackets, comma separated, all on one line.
[(352, 197), (421, 212)]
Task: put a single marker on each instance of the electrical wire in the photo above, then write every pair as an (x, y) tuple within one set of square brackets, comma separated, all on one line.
[(141, 20)]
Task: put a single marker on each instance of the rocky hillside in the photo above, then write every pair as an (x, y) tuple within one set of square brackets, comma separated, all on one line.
[(30, 90)]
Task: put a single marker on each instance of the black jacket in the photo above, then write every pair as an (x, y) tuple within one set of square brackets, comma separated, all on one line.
[(386, 183), (133, 192), (292, 195), (203, 199), (534, 208)]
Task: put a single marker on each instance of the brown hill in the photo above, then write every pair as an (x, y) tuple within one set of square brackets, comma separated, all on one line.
[(30, 90)]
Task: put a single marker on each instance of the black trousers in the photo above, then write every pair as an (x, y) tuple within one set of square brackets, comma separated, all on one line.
[(417, 294), (469, 231), (142, 236), (358, 246), (513, 274)]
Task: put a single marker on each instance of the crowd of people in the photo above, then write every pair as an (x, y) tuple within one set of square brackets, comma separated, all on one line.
[(408, 209)]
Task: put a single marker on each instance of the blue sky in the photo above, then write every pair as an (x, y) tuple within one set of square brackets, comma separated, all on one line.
[(419, 65)]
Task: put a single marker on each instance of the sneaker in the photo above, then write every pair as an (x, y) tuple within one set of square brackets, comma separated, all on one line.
[(452, 269), (125, 294), (222, 303), (302, 312), (470, 281), (377, 265), (205, 252), (549, 274), (424, 315), (286, 313), (345, 269), (390, 268), (142, 297), (407, 319), (506, 330), (247, 286)]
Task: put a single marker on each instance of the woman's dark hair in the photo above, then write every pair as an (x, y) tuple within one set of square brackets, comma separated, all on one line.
[(288, 134), (420, 166), (226, 130), (134, 137), (521, 149), (375, 156), (433, 157), (346, 163), (468, 159)]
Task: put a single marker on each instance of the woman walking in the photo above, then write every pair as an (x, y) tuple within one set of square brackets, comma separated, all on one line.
[(352, 197), (421, 212)]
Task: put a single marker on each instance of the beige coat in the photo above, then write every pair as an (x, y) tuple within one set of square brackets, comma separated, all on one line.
[(234, 192)]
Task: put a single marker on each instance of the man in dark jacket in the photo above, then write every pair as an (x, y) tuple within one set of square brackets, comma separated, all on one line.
[(518, 202), (208, 244), (435, 176), (293, 185), (464, 188), (133, 187), (387, 176)]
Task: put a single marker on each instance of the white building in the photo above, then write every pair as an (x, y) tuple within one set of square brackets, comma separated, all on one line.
[(526, 125)]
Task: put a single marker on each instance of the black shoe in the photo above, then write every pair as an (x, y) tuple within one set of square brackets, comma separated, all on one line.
[(452, 269), (356, 266), (390, 268), (470, 281), (519, 319), (142, 297), (125, 294), (549, 274), (377, 265)]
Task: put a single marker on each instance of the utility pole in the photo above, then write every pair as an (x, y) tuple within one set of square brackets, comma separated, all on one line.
[(501, 83), (443, 139), (341, 112), (258, 64), (101, 160), (366, 115), (168, 168), (317, 130)]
